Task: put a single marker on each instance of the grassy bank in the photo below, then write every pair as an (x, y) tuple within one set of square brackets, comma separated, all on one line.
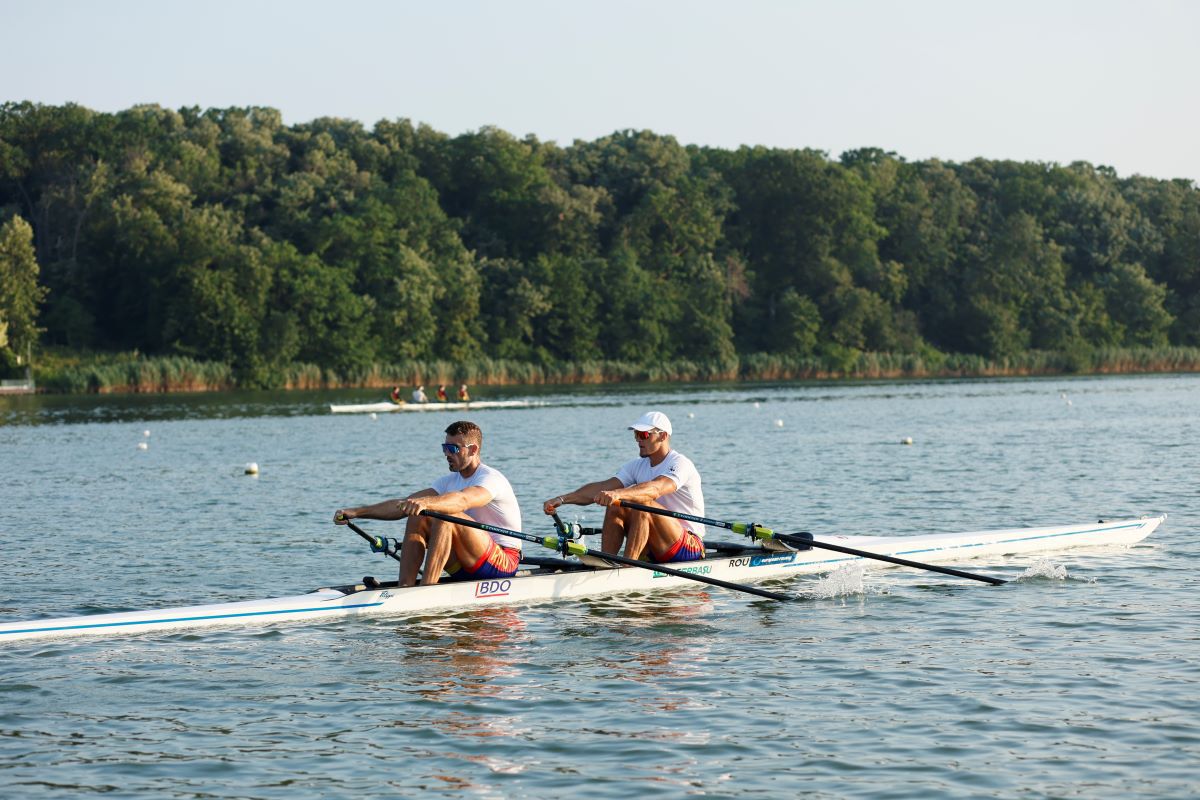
[(69, 373)]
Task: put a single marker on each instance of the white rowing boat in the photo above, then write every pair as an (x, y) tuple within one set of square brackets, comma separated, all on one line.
[(563, 579), (386, 407)]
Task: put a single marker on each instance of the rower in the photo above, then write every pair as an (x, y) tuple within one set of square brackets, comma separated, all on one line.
[(462, 394), (659, 477), (471, 488), (441, 393), (395, 395), (418, 395)]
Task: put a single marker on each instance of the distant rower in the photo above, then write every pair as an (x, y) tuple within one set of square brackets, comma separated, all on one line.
[(462, 394), (418, 395), (396, 398), (441, 393)]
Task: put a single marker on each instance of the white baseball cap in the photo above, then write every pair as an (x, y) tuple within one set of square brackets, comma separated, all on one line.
[(651, 420)]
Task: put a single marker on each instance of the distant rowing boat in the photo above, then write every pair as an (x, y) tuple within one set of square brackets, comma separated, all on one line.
[(560, 579), (364, 408)]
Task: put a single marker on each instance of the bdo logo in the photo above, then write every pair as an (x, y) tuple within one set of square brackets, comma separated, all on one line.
[(492, 588)]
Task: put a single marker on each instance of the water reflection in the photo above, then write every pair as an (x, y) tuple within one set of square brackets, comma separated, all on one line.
[(458, 658)]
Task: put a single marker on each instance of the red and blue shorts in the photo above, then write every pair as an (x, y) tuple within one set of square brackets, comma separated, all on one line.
[(689, 547), (498, 562)]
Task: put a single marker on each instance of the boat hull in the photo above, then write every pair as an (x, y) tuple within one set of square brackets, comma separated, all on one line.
[(549, 584), (387, 408)]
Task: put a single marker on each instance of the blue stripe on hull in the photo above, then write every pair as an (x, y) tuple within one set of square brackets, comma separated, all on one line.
[(189, 619)]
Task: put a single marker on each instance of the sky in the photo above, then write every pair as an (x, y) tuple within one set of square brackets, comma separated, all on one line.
[(1112, 83)]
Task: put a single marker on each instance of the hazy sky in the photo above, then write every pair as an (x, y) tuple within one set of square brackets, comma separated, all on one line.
[(1113, 83)]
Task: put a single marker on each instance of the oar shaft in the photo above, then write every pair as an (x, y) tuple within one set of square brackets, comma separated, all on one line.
[(749, 530), (376, 541), (903, 562), (616, 559), (579, 549), (716, 523), (483, 526)]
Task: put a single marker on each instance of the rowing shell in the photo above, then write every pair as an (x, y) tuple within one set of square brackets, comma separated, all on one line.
[(568, 580), (363, 408)]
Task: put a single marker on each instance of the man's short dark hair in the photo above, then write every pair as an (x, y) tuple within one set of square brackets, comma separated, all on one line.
[(468, 430)]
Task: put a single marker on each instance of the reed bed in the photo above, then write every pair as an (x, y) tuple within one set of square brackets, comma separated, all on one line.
[(136, 373), (159, 374)]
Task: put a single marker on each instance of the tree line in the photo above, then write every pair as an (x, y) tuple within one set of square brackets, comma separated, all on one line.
[(225, 235)]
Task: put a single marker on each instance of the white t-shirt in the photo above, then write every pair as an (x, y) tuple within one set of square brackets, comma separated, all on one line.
[(502, 511), (687, 497)]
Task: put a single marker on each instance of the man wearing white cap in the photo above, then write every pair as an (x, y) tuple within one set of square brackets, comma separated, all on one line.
[(660, 477)]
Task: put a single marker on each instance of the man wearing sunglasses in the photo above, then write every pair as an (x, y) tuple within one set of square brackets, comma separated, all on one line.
[(472, 488), (660, 477)]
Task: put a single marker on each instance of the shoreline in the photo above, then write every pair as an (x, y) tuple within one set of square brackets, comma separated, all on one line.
[(173, 376)]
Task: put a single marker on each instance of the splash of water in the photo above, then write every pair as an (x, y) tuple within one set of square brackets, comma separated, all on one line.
[(1045, 568), (845, 580)]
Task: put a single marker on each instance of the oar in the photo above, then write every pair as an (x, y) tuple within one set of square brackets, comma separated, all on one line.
[(378, 543), (567, 546), (757, 531)]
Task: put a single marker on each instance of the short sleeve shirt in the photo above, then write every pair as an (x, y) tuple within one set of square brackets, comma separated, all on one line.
[(502, 510), (687, 497)]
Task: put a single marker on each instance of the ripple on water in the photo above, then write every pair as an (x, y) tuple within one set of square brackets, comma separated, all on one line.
[(1078, 679)]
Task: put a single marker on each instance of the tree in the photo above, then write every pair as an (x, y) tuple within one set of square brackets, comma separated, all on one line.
[(798, 324), (20, 292), (1135, 302)]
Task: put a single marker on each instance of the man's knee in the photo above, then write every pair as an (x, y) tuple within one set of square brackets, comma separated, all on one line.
[(417, 527), (616, 513)]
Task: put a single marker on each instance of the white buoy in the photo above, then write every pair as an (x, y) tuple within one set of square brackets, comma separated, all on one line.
[(756, 404), (143, 446), (691, 415), (374, 415), (906, 440), (146, 433), (252, 468), (778, 423)]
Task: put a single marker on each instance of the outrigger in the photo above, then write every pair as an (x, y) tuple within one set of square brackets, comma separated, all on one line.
[(578, 571)]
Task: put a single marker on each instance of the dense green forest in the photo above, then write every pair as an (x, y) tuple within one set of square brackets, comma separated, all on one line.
[(223, 235)]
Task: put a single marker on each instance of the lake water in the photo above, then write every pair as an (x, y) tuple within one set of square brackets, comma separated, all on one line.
[(1080, 679)]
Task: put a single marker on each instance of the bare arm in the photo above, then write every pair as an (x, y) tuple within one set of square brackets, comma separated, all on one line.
[(582, 496), (388, 509), (639, 492), (449, 503)]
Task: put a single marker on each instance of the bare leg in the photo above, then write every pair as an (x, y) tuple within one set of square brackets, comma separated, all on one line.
[(441, 537), (637, 532), (613, 534), (412, 551)]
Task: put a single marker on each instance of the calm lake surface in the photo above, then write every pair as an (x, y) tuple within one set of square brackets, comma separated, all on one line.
[(1080, 679)]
